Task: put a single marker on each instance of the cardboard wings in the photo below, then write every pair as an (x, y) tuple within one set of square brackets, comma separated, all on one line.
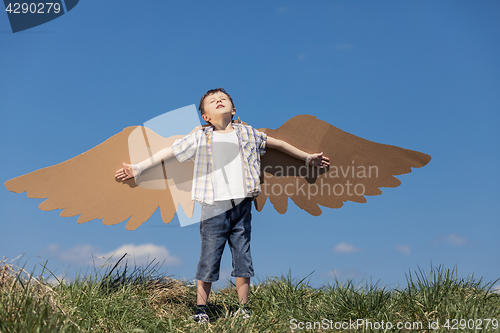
[(85, 185)]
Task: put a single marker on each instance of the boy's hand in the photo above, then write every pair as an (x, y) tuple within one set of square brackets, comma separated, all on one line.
[(319, 160), (128, 171)]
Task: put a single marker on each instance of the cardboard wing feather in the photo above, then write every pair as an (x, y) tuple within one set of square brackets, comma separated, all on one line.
[(358, 167), (85, 185)]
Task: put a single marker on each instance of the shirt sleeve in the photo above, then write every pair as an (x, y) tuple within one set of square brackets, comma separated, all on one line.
[(185, 149), (260, 141)]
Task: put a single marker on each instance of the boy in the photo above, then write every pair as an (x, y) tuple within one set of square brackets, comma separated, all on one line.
[(226, 180)]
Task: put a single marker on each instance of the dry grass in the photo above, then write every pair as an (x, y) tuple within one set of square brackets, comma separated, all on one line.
[(15, 279), (166, 295)]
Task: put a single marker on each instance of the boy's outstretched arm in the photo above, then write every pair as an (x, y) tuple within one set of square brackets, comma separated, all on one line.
[(316, 159), (131, 170)]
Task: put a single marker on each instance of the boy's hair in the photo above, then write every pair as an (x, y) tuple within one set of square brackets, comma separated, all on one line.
[(210, 92)]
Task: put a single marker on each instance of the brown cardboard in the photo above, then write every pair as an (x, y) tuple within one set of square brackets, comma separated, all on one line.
[(85, 185), (344, 150)]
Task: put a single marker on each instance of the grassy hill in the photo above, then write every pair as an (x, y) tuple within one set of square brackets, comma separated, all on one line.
[(139, 299)]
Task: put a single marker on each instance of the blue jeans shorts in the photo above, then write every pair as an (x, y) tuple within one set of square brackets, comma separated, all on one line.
[(225, 221)]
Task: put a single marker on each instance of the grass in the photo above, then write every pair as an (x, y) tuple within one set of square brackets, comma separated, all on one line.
[(120, 299)]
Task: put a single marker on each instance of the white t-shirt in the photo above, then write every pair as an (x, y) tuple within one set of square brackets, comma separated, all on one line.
[(228, 172)]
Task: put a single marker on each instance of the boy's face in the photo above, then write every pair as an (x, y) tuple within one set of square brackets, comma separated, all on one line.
[(217, 106)]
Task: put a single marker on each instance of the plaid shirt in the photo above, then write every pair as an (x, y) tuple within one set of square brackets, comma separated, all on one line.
[(197, 147)]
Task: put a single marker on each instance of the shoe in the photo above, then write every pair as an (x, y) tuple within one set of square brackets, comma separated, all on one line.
[(244, 313), (201, 318)]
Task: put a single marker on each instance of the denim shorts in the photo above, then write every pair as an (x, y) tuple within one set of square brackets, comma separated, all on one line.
[(225, 221)]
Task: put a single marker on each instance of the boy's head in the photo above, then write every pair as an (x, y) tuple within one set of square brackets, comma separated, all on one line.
[(216, 102)]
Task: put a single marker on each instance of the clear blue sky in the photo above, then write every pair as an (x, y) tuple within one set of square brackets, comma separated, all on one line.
[(420, 75)]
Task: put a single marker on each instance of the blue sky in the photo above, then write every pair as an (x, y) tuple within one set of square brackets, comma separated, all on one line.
[(420, 75)]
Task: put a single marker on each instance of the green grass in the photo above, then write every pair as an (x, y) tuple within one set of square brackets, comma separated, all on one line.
[(120, 299)]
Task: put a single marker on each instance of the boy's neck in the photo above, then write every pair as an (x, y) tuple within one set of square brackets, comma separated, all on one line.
[(223, 125)]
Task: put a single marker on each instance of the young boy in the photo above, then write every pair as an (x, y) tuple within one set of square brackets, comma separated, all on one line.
[(226, 180)]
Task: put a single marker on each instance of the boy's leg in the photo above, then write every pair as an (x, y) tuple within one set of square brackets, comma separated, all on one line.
[(242, 287), (214, 230), (203, 292), (239, 243)]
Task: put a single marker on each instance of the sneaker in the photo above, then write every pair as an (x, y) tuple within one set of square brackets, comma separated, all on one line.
[(201, 318), (244, 313)]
